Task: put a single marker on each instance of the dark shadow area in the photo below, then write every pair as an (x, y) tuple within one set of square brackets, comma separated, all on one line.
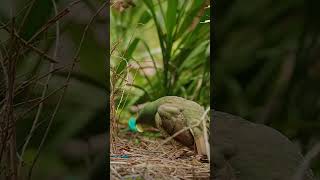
[(54, 89), (267, 70)]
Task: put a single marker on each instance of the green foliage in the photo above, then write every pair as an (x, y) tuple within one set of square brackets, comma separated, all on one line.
[(182, 67)]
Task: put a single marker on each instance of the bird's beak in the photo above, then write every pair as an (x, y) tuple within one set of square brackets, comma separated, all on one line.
[(139, 128)]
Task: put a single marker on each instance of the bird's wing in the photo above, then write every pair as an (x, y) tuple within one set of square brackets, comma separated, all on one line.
[(194, 119), (171, 119)]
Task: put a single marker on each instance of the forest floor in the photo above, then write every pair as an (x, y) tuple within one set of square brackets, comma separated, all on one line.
[(136, 156)]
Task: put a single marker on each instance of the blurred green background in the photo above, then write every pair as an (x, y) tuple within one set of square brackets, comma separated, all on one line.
[(267, 66), (77, 137)]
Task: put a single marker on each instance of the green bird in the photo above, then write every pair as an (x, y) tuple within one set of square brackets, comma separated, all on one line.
[(171, 114), (243, 150)]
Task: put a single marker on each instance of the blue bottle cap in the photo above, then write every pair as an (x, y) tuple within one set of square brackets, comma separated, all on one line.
[(132, 124)]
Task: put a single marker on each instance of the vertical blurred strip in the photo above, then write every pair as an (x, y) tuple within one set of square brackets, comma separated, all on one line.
[(212, 60), (108, 41)]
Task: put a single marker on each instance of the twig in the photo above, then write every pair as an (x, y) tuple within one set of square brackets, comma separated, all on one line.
[(64, 90), (35, 49), (37, 78), (3, 137), (53, 20), (281, 86), (12, 163), (44, 28), (122, 108), (26, 102), (26, 14), (115, 172), (45, 89), (36, 105), (314, 152), (4, 70)]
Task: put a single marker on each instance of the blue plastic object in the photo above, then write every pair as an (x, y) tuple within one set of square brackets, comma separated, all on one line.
[(124, 156), (132, 124)]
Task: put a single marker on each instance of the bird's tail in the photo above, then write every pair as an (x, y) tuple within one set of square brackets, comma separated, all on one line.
[(201, 145)]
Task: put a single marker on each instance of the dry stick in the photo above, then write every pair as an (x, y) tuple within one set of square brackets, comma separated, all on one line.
[(64, 90), (63, 13), (144, 73), (26, 14), (37, 50), (122, 94), (6, 84), (115, 172), (197, 19), (184, 129), (37, 78), (9, 105), (314, 152), (53, 20), (3, 25), (281, 85), (30, 46), (19, 89), (4, 70), (36, 105), (26, 102), (128, 90), (127, 76), (4, 134), (114, 47), (34, 79), (45, 89)]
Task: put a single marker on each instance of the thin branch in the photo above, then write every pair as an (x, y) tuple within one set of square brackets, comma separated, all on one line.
[(4, 70), (45, 89), (115, 172), (26, 15), (313, 153), (20, 88), (26, 102), (37, 50), (64, 90), (27, 44), (37, 104), (281, 86), (61, 14), (3, 137)]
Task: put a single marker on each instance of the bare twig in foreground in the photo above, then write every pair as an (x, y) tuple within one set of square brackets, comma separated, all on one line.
[(313, 153)]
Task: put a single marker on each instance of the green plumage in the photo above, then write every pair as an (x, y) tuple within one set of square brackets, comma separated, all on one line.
[(171, 114), (241, 150)]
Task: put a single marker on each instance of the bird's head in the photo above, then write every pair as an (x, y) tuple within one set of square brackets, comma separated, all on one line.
[(146, 117)]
